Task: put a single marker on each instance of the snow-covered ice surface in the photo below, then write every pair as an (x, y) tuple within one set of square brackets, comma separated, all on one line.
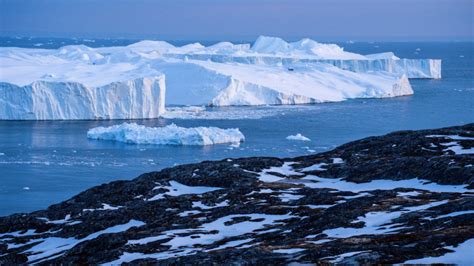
[(167, 135), (79, 82)]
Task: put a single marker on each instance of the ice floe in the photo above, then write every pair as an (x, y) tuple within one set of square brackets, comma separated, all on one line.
[(167, 135)]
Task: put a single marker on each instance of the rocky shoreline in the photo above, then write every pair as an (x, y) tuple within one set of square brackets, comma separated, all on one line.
[(396, 198)]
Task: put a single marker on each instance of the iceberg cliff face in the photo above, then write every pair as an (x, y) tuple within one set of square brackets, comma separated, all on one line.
[(79, 82), (42, 100), (412, 68)]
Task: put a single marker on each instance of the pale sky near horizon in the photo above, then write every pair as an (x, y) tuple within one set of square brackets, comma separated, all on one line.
[(244, 19)]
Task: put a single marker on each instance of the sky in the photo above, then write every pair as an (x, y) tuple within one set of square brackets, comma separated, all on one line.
[(395, 20)]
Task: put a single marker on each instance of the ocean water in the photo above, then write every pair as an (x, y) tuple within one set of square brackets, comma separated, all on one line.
[(42, 163)]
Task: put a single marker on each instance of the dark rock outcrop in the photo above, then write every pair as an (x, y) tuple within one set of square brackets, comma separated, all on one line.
[(388, 199)]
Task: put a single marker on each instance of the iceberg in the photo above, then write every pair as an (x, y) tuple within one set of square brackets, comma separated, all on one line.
[(303, 48), (298, 137), (197, 82), (262, 85), (168, 135), (79, 82), (64, 84), (43, 100)]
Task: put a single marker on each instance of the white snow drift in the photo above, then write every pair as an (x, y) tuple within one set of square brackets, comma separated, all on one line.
[(168, 135), (79, 82)]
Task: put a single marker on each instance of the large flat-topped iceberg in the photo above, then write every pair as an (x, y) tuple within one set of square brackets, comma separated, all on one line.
[(43, 100), (63, 84), (276, 51), (79, 82), (219, 84)]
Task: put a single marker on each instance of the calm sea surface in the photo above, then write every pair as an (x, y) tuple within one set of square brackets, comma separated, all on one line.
[(42, 163)]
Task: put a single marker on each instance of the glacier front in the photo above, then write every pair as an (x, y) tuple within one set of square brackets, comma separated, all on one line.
[(79, 82)]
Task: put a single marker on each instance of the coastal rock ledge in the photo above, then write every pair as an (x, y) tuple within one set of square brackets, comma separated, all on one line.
[(406, 197)]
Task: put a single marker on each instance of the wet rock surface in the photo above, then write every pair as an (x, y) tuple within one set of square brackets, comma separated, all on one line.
[(389, 199)]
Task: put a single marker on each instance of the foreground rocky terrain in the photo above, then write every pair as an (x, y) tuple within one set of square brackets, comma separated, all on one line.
[(397, 198)]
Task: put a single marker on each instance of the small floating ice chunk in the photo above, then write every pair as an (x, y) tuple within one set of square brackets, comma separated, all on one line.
[(298, 137), (168, 135), (26, 188)]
